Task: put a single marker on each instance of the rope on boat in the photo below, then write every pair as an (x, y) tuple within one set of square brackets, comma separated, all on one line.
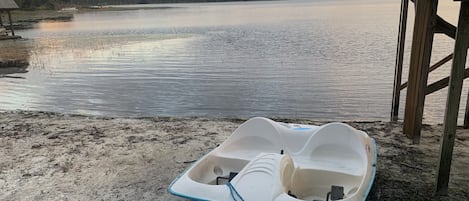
[(234, 194)]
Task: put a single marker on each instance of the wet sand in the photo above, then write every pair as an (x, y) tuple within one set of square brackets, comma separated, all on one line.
[(52, 156)]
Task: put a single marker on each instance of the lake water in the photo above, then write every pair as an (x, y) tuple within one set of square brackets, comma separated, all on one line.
[(328, 60)]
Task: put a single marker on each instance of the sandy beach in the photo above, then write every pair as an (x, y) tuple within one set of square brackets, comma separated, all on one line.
[(52, 156)]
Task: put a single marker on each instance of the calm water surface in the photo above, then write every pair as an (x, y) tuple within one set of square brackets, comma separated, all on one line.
[(316, 59)]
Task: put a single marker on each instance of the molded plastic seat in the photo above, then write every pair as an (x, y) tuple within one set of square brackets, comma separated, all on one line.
[(258, 135), (334, 147)]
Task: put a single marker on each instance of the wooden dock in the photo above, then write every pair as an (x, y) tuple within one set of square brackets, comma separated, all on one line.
[(427, 23), (6, 6)]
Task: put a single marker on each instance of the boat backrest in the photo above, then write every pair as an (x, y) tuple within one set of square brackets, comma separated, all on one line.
[(257, 135), (336, 134), (336, 147), (294, 138)]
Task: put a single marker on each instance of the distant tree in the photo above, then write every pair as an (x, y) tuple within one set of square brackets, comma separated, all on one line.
[(58, 4)]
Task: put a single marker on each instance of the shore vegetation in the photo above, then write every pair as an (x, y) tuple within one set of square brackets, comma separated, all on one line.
[(60, 4)]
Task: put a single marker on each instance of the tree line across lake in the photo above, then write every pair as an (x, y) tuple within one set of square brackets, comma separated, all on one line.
[(58, 4)]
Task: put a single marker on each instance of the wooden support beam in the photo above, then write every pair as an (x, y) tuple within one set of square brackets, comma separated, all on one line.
[(454, 96), (433, 67), (466, 114), (11, 24), (440, 63), (440, 84), (444, 27), (419, 64), (399, 60)]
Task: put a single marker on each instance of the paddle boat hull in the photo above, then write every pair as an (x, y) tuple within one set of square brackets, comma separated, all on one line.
[(265, 160)]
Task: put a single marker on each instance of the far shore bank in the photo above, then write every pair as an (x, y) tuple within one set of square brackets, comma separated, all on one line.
[(54, 156)]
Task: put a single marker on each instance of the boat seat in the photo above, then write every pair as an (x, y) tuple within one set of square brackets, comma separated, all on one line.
[(334, 159), (258, 135), (336, 148)]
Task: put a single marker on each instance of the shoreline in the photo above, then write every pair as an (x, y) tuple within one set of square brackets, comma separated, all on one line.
[(54, 156)]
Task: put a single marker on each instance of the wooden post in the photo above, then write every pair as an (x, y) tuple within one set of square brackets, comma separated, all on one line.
[(419, 63), (466, 114), (11, 24), (399, 60), (1, 21), (454, 96)]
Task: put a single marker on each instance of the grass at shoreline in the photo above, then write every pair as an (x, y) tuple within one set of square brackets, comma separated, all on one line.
[(38, 15), (19, 50), (17, 53), (34, 16)]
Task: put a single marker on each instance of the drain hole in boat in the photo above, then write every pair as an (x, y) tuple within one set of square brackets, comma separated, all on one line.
[(217, 170)]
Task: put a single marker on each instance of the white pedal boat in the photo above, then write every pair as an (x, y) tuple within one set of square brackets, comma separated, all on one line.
[(265, 160)]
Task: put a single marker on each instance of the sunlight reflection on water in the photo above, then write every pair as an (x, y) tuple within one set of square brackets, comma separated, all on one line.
[(277, 59)]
